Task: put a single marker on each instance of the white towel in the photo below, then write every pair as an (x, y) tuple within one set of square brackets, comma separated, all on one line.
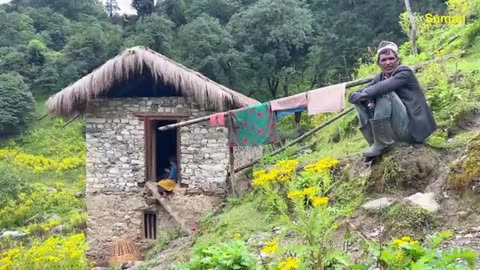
[(326, 99)]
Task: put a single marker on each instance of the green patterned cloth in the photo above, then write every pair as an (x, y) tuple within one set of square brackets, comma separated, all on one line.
[(253, 125)]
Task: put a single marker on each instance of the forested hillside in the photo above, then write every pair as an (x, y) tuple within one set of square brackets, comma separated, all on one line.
[(265, 49)]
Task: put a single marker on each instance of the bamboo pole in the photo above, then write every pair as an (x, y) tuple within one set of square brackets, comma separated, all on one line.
[(71, 120)]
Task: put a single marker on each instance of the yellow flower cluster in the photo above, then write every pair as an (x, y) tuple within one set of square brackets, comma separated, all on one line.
[(310, 193), (281, 172), (404, 240), (321, 165), (38, 163), (40, 200), (319, 201), (290, 263), (54, 253), (271, 246)]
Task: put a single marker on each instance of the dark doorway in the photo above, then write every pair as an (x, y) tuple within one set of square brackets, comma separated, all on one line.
[(166, 147), (159, 147)]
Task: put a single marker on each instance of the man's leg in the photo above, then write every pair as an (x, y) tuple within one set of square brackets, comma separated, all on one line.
[(364, 116), (383, 134), (400, 120)]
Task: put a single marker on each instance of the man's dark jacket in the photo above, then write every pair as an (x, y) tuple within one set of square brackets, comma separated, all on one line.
[(404, 83)]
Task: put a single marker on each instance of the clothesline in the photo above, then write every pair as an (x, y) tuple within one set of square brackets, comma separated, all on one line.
[(347, 85), (206, 118)]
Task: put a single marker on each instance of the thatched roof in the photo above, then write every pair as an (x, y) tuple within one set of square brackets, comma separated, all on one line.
[(136, 61)]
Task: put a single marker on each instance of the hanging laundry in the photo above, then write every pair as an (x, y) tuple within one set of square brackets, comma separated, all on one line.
[(253, 125), (327, 99), (217, 119), (280, 114), (291, 102)]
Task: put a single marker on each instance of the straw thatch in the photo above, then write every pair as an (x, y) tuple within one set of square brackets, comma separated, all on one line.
[(137, 60)]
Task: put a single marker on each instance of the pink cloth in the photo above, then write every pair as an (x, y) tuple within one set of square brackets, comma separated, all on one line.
[(326, 99), (286, 103), (217, 119)]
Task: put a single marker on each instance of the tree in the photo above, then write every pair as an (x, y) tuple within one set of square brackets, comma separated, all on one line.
[(156, 32), (143, 7), (204, 42), (111, 6), (413, 27), (275, 36), (17, 105)]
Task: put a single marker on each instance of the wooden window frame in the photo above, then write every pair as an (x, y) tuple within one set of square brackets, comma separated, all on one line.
[(150, 230), (148, 119)]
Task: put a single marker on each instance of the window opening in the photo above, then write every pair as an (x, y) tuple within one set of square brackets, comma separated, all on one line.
[(150, 225)]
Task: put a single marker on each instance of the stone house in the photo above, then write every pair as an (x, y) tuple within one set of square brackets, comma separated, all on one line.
[(123, 102)]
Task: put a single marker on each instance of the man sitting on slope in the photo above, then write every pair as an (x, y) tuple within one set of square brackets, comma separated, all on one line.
[(392, 107)]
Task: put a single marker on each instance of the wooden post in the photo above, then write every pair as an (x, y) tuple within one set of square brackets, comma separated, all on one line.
[(233, 183), (413, 28)]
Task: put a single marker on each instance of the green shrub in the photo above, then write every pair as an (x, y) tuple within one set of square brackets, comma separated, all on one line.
[(230, 256), (17, 104)]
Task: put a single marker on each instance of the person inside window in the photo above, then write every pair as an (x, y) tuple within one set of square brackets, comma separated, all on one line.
[(167, 185)]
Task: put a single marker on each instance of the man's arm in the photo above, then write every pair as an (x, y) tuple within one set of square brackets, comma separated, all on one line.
[(357, 96), (388, 85)]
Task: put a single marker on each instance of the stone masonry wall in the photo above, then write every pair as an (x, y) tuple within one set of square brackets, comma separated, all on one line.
[(116, 165), (115, 145)]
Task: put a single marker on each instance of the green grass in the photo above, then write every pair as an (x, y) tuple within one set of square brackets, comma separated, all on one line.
[(243, 218)]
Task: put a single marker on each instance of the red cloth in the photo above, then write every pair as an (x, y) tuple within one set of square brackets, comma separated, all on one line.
[(217, 119)]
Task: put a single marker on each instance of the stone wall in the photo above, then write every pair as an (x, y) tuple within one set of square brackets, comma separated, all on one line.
[(116, 165), (245, 155), (114, 214), (115, 145)]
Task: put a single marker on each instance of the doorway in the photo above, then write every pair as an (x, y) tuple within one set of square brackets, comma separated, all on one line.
[(160, 147)]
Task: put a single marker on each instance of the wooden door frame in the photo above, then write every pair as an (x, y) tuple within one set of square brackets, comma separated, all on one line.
[(148, 119)]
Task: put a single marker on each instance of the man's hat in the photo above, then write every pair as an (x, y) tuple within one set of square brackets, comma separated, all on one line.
[(387, 45)]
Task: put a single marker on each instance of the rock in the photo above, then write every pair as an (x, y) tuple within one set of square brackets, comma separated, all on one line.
[(13, 234), (79, 195), (378, 204), (462, 214), (468, 235), (425, 201), (59, 229)]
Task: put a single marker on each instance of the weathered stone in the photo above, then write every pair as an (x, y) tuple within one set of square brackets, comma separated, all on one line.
[(116, 170), (378, 204), (425, 201)]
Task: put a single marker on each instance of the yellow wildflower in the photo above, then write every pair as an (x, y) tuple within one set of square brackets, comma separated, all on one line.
[(406, 238), (399, 256), (295, 195), (319, 201), (290, 263), (237, 235), (271, 246), (414, 243), (309, 191), (335, 227)]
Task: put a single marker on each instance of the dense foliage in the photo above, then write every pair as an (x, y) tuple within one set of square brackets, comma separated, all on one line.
[(16, 105)]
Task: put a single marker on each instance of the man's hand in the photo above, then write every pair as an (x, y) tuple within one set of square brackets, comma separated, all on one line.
[(357, 97)]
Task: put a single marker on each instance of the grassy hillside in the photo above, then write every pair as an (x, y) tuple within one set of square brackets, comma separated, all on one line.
[(43, 178), (306, 217)]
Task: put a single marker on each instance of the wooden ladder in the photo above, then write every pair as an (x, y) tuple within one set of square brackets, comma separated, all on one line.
[(164, 202)]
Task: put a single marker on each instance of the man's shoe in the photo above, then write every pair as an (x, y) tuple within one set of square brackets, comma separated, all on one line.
[(384, 138), (367, 133)]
